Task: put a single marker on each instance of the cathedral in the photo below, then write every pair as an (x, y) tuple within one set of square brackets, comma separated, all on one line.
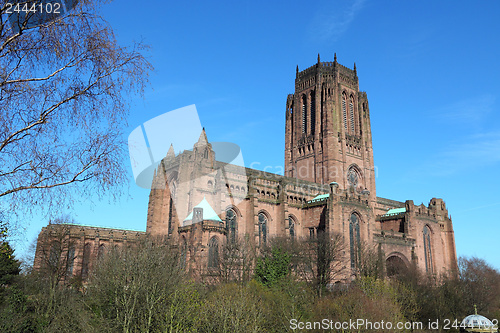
[(200, 201)]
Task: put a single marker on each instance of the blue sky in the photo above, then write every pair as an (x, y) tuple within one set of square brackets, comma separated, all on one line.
[(429, 68)]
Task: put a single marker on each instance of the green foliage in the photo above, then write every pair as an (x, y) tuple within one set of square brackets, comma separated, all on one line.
[(233, 308), (182, 313), (17, 313), (144, 289), (9, 266), (272, 268), (370, 299), (139, 289)]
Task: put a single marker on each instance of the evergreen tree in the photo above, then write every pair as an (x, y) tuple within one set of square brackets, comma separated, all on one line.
[(9, 266), (272, 268)]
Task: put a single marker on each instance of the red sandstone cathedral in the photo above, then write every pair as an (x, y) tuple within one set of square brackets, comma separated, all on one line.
[(200, 202)]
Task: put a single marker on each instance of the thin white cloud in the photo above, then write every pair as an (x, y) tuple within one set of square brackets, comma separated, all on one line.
[(477, 151), (470, 111), (331, 23)]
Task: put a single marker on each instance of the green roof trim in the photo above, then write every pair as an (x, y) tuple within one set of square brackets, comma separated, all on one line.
[(319, 198), (208, 212), (395, 211)]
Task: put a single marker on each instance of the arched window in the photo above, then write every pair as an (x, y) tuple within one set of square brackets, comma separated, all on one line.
[(213, 252), (262, 229), (70, 260), (344, 110), (304, 114), (231, 225), (86, 261), (354, 239), (101, 251), (428, 250), (351, 113), (291, 227)]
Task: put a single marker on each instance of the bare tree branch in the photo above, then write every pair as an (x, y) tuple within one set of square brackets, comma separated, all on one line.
[(65, 86)]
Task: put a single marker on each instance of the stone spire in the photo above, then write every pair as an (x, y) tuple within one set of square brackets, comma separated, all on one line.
[(355, 72), (318, 59), (335, 57), (297, 72)]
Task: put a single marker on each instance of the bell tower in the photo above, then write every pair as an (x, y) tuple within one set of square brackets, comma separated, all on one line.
[(327, 133)]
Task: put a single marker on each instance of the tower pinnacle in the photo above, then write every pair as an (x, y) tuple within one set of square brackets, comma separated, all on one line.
[(202, 141), (171, 152)]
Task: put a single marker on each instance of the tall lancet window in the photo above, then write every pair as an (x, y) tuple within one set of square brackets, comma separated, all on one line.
[(304, 114), (170, 216), (86, 260), (213, 252), (262, 229), (351, 113), (70, 260), (428, 250), (354, 240), (313, 112), (184, 249), (344, 111), (291, 227), (231, 225)]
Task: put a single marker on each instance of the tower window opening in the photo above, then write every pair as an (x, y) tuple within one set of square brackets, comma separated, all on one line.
[(351, 114), (304, 114), (313, 112), (344, 111)]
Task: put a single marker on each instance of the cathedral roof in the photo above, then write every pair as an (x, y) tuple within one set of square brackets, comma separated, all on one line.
[(208, 212), (395, 211)]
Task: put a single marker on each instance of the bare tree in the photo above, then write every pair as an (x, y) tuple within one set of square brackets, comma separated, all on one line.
[(320, 260), (235, 263), (132, 287), (64, 93), (480, 284), (369, 262)]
